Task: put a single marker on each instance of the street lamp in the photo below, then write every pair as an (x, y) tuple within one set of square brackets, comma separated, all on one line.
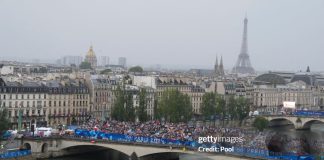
[(162, 119), (19, 118), (103, 116)]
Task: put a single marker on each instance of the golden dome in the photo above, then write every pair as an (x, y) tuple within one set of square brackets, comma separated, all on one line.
[(91, 52)]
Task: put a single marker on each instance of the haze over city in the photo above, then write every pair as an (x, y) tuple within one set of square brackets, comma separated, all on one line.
[(182, 33)]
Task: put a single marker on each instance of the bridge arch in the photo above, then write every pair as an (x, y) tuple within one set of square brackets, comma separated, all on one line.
[(309, 123), (87, 148), (27, 146), (44, 148), (279, 121), (161, 156)]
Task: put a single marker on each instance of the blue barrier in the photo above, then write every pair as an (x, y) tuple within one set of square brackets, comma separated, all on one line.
[(127, 138), (15, 154), (309, 113)]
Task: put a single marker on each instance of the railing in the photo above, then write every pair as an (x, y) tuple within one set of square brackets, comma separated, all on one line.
[(15, 154), (299, 113)]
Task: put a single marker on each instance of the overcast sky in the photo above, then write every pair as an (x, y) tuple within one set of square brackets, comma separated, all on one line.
[(282, 34)]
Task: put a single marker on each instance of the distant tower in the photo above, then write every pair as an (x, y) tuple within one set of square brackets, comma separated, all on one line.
[(91, 58), (307, 70), (221, 67), (243, 64), (216, 67)]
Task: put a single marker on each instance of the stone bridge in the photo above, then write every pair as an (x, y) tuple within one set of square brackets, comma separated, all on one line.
[(298, 122), (57, 147)]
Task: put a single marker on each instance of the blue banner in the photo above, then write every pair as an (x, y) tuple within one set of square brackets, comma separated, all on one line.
[(309, 113), (128, 138), (15, 154)]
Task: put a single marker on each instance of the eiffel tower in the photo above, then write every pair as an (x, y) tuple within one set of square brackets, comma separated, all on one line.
[(243, 64)]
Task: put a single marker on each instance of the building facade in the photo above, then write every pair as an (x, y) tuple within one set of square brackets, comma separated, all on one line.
[(44, 103)]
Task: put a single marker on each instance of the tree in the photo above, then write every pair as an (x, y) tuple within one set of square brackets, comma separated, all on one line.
[(129, 108), (4, 121), (242, 108), (141, 111), (174, 106), (260, 123), (123, 108), (136, 69), (106, 71), (85, 65), (232, 107), (118, 110), (221, 107), (155, 109), (208, 107)]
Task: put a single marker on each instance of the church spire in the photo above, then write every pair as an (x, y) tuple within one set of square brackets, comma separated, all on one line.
[(216, 66), (221, 67)]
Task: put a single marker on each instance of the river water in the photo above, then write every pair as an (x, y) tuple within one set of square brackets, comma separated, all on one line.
[(287, 139)]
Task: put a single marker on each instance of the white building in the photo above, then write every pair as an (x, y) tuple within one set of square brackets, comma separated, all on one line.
[(7, 70), (145, 81), (122, 61)]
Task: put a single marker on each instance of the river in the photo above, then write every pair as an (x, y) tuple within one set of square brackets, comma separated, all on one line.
[(287, 139)]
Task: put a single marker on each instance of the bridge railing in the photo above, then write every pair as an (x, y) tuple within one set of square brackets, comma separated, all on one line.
[(298, 113)]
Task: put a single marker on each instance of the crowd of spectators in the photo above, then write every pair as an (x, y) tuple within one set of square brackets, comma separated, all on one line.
[(176, 131), (191, 132)]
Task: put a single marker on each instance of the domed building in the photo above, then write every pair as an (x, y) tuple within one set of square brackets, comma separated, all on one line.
[(91, 58), (270, 79)]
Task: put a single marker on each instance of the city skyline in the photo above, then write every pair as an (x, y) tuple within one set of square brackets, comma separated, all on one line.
[(191, 31)]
